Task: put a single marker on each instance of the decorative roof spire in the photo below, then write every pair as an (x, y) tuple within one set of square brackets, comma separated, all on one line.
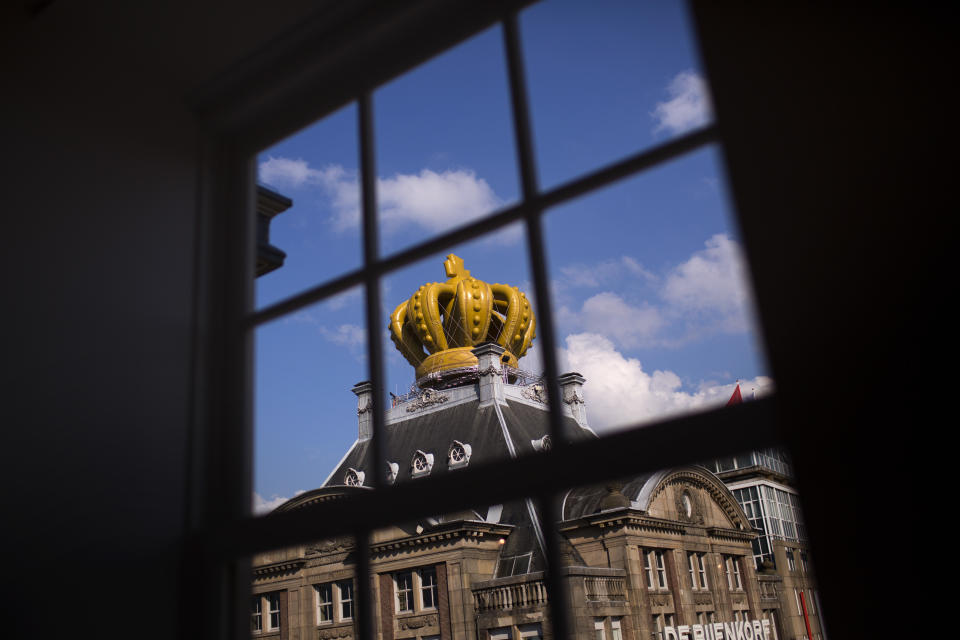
[(438, 326)]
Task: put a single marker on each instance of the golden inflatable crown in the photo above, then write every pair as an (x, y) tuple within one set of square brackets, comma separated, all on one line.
[(439, 325)]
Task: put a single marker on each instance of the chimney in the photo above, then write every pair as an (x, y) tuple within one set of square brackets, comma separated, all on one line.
[(364, 391), (490, 370), (571, 391)]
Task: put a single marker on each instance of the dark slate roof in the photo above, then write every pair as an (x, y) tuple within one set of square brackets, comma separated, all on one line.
[(434, 432)]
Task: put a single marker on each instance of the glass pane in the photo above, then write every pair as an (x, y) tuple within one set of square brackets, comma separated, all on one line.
[(609, 81), (305, 412), (308, 207), (445, 153), (652, 296)]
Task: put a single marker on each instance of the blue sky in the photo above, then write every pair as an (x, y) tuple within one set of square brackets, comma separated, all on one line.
[(651, 294)]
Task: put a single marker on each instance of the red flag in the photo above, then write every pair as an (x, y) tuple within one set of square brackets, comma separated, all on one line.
[(736, 398)]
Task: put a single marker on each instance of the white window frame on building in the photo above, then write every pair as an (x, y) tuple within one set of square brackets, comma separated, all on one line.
[(734, 579), (654, 564), (268, 602), (698, 571), (337, 602), (411, 588)]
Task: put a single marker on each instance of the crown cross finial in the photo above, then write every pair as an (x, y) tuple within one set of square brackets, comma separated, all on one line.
[(455, 268)]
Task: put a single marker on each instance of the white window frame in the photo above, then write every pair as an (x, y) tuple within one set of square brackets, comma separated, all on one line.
[(433, 588), (256, 613), (734, 580), (698, 572), (421, 581), (655, 566), (273, 598), (345, 585), (616, 632), (403, 593), (600, 629), (321, 603)]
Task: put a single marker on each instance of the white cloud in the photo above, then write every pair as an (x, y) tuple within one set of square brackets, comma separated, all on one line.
[(603, 273), (689, 105), (609, 314), (619, 393), (262, 506), (347, 335), (707, 293), (712, 283), (428, 200)]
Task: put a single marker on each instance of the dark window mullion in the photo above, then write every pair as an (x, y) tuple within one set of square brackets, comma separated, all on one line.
[(364, 606), (556, 589)]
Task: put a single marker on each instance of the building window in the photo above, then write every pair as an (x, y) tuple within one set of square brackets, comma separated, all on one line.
[(270, 602), (324, 602), (615, 631), (796, 595), (422, 464), (500, 634), (416, 590), (353, 478), (791, 562), (734, 582), (274, 600), (514, 565), (530, 631), (803, 562), (256, 614), (655, 569), (698, 572), (428, 588), (661, 620), (334, 601), (599, 632), (459, 455), (345, 590), (404, 583)]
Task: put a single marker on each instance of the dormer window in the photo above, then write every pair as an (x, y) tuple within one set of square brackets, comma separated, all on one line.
[(353, 478), (392, 470), (459, 455), (542, 444), (422, 464)]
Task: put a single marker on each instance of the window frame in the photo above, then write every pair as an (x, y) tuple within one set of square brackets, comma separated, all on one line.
[(260, 104), (318, 590), (406, 591)]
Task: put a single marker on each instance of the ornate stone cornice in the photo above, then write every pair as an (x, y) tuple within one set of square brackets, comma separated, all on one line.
[(443, 533), (624, 518), (284, 566), (735, 535)]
